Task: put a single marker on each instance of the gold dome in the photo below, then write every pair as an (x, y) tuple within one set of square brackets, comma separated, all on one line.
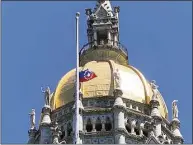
[(134, 85)]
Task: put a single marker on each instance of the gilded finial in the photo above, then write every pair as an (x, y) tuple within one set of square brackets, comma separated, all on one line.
[(77, 14)]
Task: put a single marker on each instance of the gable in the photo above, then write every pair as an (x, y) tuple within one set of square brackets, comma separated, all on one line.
[(101, 12)]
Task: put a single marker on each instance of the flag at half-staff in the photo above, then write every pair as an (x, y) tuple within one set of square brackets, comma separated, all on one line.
[(86, 75)]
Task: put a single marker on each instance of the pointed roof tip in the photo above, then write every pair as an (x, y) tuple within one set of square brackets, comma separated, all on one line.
[(105, 4)]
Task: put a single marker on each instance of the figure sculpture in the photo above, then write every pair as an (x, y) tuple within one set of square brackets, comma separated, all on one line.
[(133, 125), (47, 95), (117, 78), (154, 89), (174, 109), (32, 119)]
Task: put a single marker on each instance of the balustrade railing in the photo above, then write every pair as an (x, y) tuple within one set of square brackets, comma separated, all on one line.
[(119, 46)]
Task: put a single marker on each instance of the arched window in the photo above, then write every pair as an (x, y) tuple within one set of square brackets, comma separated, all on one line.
[(98, 125), (63, 132), (89, 125), (166, 142), (108, 125), (137, 128), (128, 126)]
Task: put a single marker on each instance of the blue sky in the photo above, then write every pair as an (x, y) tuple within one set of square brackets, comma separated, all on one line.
[(38, 48)]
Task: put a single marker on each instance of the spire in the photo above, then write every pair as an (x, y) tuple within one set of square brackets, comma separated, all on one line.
[(103, 24)]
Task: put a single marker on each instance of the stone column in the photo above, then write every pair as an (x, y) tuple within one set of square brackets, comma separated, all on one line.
[(80, 122), (95, 37), (45, 126), (141, 127), (85, 126), (133, 125), (115, 40), (93, 121), (103, 124), (119, 119), (66, 133), (137, 108), (109, 37), (130, 106)]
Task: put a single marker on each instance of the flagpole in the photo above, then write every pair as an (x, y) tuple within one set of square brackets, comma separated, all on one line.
[(76, 134)]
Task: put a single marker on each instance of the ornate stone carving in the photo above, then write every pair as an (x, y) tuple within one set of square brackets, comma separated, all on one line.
[(174, 109), (32, 119), (117, 78), (47, 95)]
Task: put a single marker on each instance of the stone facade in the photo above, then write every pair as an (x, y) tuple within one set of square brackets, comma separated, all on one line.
[(108, 124)]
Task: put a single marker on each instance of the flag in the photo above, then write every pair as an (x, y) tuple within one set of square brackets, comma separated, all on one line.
[(86, 75)]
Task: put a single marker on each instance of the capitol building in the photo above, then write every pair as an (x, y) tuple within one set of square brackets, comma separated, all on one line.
[(117, 106)]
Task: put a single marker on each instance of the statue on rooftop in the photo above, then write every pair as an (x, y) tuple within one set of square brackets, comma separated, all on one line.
[(32, 119), (154, 89), (117, 78), (47, 95), (174, 109)]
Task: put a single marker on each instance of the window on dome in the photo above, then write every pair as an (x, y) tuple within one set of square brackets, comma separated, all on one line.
[(145, 133), (89, 126), (62, 135), (128, 128), (98, 125), (137, 131), (108, 125)]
